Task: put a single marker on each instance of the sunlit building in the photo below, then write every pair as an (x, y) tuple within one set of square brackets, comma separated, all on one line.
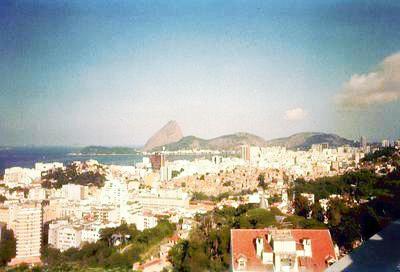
[(289, 250), (26, 222)]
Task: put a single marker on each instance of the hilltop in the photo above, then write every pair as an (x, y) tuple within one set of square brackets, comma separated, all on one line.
[(225, 142), (233, 141), (169, 133), (305, 140)]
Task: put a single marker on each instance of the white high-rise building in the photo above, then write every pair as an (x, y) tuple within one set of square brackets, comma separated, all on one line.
[(385, 143), (363, 142), (245, 152), (26, 222), (72, 191), (114, 192), (20, 177)]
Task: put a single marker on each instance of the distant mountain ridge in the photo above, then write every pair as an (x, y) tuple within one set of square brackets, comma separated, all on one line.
[(169, 133), (305, 140), (225, 142), (302, 140)]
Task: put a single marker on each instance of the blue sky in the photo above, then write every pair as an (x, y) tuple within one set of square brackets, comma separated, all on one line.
[(113, 72)]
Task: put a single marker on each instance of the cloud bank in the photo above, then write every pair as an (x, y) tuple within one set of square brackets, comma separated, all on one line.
[(295, 114), (378, 87)]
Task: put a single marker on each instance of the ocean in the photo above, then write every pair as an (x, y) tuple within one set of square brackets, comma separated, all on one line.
[(28, 156)]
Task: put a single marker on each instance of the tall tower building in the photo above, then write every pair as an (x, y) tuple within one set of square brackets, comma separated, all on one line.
[(245, 152), (363, 142), (26, 222), (385, 143)]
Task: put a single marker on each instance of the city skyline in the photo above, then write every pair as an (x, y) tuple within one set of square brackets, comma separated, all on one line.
[(104, 73)]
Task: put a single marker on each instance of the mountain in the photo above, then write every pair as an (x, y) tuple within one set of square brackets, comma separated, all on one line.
[(169, 133), (225, 142), (305, 140), (233, 141)]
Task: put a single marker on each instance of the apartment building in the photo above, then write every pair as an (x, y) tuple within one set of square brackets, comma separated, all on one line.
[(26, 222), (63, 235)]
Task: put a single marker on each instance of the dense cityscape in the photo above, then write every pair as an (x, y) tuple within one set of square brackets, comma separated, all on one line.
[(199, 136), (259, 208)]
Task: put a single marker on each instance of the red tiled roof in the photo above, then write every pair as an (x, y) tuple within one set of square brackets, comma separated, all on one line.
[(321, 246), (150, 263), (242, 243), (174, 238)]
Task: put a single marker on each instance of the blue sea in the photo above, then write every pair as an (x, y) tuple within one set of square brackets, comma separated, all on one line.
[(28, 156)]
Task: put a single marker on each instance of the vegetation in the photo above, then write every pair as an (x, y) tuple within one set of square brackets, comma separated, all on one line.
[(200, 196), (59, 177), (301, 206), (7, 246), (2, 198), (357, 185), (208, 248), (103, 254), (274, 199), (176, 173), (261, 181), (103, 150), (18, 189), (366, 203), (379, 154)]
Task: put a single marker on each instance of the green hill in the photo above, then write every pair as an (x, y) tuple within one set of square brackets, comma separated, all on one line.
[(233, 141)]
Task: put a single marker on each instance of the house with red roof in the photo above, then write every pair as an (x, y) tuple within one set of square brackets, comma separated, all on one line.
[(286, 250)]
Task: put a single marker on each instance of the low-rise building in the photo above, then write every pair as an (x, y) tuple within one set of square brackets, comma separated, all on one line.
[(63, 235), (286, 250), (91, 232), (145, 220)]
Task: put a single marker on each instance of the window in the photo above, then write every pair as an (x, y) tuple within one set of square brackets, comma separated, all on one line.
[(242, 263)]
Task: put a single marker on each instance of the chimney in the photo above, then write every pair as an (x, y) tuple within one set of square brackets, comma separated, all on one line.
[(259, 246), (307, 247), (269, 237)]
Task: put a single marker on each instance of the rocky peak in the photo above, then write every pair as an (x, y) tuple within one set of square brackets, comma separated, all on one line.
[(170, 133)]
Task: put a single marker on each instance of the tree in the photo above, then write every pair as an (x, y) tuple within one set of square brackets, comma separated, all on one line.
[(336, 208), (261, 181), (2, 198), (317, 212), (346, 233), (175, 173), (178, 256), (301, 206), (257, 218), (7, 246)]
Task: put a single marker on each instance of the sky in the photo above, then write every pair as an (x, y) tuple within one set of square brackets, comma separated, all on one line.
[(114, 72)]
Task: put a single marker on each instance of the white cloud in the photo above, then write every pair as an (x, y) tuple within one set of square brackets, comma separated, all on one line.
[(295, 114), (378, 87)]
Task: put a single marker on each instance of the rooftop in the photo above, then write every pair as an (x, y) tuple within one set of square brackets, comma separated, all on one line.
[(242, 244)]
